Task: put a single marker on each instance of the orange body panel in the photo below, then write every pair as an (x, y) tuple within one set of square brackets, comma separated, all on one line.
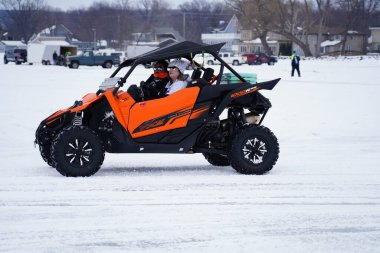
[(148, 117), (162, 114), (87, 100), (197, 113), (120, 106)]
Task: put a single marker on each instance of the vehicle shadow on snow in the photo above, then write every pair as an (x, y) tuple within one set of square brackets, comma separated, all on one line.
[(209, 169)]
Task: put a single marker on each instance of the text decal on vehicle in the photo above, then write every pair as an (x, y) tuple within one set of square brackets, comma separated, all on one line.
[(244, 92), (163, 120)]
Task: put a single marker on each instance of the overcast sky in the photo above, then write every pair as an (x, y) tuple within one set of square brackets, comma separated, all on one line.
[(69, 4)]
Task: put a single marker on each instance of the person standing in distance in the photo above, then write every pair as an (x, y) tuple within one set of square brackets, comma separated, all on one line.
[(295, 58)]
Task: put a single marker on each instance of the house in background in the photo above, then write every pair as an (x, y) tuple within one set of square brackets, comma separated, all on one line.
[(250, 43), (332, 42), (228, 33), (55, 31), (156, 35), (147, 41), (63, 34), (374, 41)]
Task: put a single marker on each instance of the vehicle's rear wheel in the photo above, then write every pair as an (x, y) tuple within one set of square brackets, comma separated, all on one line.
[(254, 150), (210, 62), (77, 152), (235, 63), (5, 60), (107, 65), (271, 63), (217, 159)]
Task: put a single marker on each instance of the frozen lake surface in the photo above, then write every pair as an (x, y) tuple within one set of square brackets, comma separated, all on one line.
[(322, 195)]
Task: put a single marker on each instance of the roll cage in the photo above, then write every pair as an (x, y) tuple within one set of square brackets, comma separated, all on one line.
[(185, 49)]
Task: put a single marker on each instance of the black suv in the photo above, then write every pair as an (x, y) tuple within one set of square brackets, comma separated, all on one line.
[(16, 55)]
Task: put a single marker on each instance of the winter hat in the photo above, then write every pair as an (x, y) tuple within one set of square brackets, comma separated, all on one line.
[(180, 64)]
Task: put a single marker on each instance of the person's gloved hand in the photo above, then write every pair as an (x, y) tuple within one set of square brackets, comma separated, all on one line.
[(152, 84)]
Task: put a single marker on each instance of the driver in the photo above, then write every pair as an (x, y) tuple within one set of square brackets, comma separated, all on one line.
[(154, 86)]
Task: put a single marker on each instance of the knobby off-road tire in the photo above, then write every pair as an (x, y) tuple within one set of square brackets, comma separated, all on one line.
[(77, 152), (217, 159), (254, 150), (45, 154)]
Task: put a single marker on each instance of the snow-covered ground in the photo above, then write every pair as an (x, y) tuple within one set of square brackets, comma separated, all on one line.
[(322, 196)]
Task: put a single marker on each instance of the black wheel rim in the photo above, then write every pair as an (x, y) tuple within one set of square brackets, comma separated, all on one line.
[(255, 150), (78, 153)]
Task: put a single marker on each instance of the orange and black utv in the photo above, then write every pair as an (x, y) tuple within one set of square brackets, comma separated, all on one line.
[(74, 140)]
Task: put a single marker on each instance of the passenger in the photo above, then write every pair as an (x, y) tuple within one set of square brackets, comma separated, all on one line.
[(155, 85), (177, 78)]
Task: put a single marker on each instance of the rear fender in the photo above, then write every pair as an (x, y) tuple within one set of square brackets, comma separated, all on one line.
[(247, 96)]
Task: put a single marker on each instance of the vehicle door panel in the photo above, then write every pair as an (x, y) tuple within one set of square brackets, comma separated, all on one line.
[(158, 115)]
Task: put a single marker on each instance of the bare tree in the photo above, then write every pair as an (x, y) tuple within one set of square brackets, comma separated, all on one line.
[(151, 12), (199, 16), (291, 20), (256, 15), (125, 21), (26, 16), (323, 8), (353, 12)]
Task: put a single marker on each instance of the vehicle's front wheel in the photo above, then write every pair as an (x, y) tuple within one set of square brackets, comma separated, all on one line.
[(74, 65), (271, 63), (235, 63), (5, 60), (46, 154), (254, 150), (217, 159), (77, 152), (210, 62)]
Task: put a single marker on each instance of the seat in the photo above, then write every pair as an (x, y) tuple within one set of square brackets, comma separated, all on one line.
[(198, 83), (201, 82), (196, 74), (208, 74)]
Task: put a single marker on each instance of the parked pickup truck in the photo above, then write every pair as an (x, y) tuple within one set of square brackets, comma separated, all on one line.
[(228, 57), (88, 58)]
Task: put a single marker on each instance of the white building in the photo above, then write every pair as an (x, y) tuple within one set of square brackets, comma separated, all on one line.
[(374, 43), (228, 33)]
